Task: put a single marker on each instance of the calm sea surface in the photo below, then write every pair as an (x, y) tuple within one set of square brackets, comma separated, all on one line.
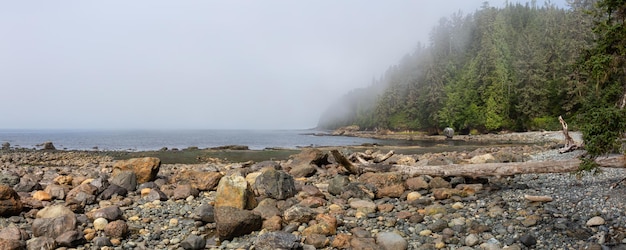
[(141, 140)]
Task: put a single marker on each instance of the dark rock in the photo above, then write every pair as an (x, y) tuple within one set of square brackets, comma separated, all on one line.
[(193, 242), (41, 243), (6, 146), (102, 183), (183, 191), (48, 146), (116, 229), (438, 225), (56, 191), (110, 213), (70, 239), (231, 147), (82, 195), (337, 184), (8, 244), (416, 183), (275, 184), (439, 182), (10, 202), (28, 183), (150, 184), (358, 190), (9, 179), (204, 213), (232, 222), (277, 240), (126, 179), (145, 169), (113, 190), (102, 242), (156, 194), (528, 240), (53, 227)]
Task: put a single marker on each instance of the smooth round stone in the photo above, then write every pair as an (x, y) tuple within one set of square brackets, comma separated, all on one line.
[(426, 232), (413, 196), (595, 221), (458, 205), (173, 222), (100, 223)]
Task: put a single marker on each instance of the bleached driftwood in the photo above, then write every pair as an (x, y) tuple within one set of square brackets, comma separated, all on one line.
[(506, 169), (570, 145)]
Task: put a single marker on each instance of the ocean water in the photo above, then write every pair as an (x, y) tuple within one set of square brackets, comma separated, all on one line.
[(142, 140)]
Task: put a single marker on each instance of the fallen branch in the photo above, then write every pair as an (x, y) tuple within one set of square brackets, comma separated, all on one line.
[(345, 162), (380, 158), (506, 169)]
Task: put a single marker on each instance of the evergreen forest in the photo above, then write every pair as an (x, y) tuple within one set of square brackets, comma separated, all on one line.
[(514, 68)]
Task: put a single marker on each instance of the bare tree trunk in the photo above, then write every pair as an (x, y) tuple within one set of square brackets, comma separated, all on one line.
[(506, 169)]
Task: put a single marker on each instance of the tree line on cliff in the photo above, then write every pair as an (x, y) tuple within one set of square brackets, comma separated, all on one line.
[(517, 67)]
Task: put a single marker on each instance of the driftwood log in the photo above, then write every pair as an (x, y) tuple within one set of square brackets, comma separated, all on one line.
[(570, 145), (506, 169)]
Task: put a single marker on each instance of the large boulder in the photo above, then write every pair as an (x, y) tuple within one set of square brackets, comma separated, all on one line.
[(387, 184), (275, 184), (10, 203), (232, 222), (145, 168), (54, 227), (306, 157), (234, 191), (201, 180), (126, 179)]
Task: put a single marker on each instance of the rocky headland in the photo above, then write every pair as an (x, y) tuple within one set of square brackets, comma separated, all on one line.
[(53, 199)]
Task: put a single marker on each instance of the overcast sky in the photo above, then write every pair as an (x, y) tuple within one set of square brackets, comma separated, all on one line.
[(198, 64)]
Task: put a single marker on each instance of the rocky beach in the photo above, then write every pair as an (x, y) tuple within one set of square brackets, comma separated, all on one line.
[(57, 199)]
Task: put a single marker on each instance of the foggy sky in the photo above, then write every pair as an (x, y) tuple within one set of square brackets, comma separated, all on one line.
[(198, 64)]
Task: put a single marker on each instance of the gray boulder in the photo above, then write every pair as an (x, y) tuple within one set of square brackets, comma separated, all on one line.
[(277, 240), (275, 184), (232, 222), (448, 132)]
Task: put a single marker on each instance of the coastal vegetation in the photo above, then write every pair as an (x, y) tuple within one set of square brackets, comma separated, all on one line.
[(509, 68)]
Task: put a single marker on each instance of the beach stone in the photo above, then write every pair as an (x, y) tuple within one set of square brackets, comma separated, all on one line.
[(155, 194), (267, 208), (445, 193), (126, 179), (6, 146), (387, 184), (326, 225), (448, 132), (233, 191), (471, 240), (363, 243), (391, 241), (275, 184), (312, 191), (204, 213), (100, 223), (359, 190), (193, 242), (112, 190), (42, 196), (303, 170), (65, 180), (183, 191), (145, 169), (298, 213), (528, 240), (337, 184), (82, 195), (439, 182), (201, 180), (12, 232), (273, 223), (317, 240), (71, 238), (116, 229), (9, 179), (110, 213), (595, 221), (102, 242), (416, 183), (9, 244), (309, 156), (438, 225), (485, 158), (48, 146), (41, 243), (341, 241), (56, 191), (10, 202), (232, 222), (54, 211), (277, 240), (28, 183), (53, 227), (435, 209), (364, 206)]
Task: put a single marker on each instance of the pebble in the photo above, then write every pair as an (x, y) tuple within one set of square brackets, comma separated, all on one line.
[(100, 223), (595, 221)]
